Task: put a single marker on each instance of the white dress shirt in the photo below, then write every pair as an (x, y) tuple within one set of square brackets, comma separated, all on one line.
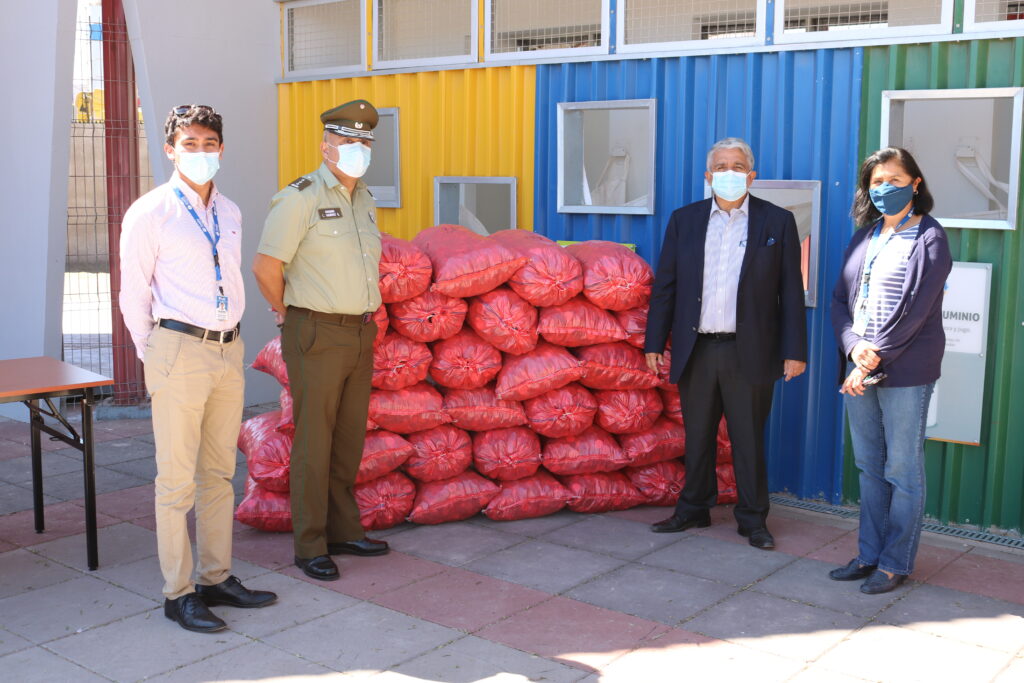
[(167, 262), (724, 245)]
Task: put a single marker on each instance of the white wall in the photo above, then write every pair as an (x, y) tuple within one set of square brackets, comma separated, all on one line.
[(226, 54), (37, 43)]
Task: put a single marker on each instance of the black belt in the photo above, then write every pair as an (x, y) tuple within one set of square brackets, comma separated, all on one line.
[(223, 337), (336, 318), (718, 336)]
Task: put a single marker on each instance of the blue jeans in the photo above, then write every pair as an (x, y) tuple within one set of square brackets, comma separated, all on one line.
[(887, 428)]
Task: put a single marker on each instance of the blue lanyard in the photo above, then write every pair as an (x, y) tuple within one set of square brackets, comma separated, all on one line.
[(214, 240), (875, 247)]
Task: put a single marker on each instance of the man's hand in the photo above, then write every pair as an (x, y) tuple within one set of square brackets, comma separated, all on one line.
[(854, 384), (793, 368), (269, 274), (865, 355), (654, 362)]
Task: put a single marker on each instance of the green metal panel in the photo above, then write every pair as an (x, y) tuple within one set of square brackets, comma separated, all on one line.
[(978, 485)]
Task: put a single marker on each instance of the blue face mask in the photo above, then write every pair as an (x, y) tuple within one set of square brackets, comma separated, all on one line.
[(199, 167), (729, 185), (891, 199)]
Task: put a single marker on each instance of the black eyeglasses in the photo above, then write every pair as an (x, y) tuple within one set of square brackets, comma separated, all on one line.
[(183, 109)]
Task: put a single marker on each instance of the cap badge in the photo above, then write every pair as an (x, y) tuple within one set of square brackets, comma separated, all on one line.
[(359, 124)]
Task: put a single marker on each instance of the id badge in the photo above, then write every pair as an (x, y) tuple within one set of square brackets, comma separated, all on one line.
[(222, 307), (860, 322)]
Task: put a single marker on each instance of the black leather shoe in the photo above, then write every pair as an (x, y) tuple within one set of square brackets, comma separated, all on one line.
[(759, 538), (192, 614), (363, 547), (677, 523), (231, 592), (854, 571), (320, 567), (879, 582)]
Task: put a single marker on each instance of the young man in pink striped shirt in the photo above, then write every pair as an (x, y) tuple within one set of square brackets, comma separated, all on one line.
[(182, 299)]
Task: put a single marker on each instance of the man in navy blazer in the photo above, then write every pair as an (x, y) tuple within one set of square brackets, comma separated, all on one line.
[(730, 291)]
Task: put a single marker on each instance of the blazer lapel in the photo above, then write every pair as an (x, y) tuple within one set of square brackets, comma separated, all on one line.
[(755, 233), (696, 241)]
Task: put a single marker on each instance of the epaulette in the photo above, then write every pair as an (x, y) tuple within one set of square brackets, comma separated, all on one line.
[(300, 183)]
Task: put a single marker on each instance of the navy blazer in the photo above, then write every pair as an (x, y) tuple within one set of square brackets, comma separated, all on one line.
[(771, 324)]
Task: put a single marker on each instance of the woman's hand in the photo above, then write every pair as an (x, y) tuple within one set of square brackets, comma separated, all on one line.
[(854, 384), (865, 355)]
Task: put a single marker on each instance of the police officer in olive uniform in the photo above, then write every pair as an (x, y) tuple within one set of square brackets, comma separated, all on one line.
[(317, 266)]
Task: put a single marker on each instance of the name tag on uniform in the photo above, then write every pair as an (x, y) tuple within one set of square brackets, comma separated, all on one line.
[(330, 213)]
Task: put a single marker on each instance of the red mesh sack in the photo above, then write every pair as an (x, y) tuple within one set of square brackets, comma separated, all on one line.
[(371, 425), (451, 500), (551, 275), (673, 407), (634, 323), (659, 483), (614, 277), (665, 372), (547, 367), (628, 411), (440, 453), (428, 317), (404, 269), (507, 454), (601, 492), (270, 361), (465, 263), (564, 411), (399, 362), (479, 410), (286, 425), (505, 320), (408, 410), (534, 496), (664, 441), (464, 361), (724, 455), (384, 502), (269, 462), (383, 452), (726, 484), (258, 429), (592, 450), (578, 323), (263, 509), (616, 366), (380, 316)]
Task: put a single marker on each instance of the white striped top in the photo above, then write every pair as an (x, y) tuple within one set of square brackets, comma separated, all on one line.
[(885, 288)]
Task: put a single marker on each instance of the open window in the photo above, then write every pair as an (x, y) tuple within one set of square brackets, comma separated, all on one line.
[(323, 36), (384, 177), (973, 167), (606, 156), (656, 25), (484, 204)]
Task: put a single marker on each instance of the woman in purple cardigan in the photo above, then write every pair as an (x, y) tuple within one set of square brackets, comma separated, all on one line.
[(887, 317)]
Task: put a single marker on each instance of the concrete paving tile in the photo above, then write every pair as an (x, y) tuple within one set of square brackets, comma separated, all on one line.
[(19, 470), (21, 433), (366, 577), (807, 581), (62, 519), (146, 644), (800, 537), (362, 638), (956, 615), (297, 603), (127, 504), (7, 547), (141, 468), (22, 571), (845, 523), (55, 611), (254, 661), (144, 578), (889, 653), (930, 558), (813, 673), (461, 599), (544, 566), (118, 544), (645, 514), (774, 625), (12, 449), (453, 544), (610, 536), (12, 642), (573, 632), (1015, 555), (36, 665), (1013, 673), (265, 548), (474, 659), (975, 573), (679, 655), (16, 498), (125, 427), (532, 528), (711, 558), (69, 486), (123, 450), (652, 593), (839, 551)]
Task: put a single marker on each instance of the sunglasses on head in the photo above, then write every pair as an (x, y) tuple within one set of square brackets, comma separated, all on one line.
[(186, 108)]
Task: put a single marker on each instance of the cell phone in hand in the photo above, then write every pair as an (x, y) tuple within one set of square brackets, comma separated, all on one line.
[(872, 380)]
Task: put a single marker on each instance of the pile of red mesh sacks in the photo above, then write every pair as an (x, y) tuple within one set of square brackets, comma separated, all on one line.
[(509, 379)]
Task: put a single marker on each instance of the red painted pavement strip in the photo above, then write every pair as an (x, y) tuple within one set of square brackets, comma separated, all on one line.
[(12, 449), (62, 519), (367, 577), (646, 514), (975, 573), (128, 504), (263, 548), (461, 599), (930, 558), (5, 546)]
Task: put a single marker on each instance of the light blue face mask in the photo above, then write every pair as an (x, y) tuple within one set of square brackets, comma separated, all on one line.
[(729, 185), (353, 159), (199, 167)]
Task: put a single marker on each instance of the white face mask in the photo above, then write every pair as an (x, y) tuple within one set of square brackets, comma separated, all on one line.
[(199, 167), (353, 159)]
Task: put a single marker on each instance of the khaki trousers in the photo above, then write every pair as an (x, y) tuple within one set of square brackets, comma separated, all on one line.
[(197, 393), (330, 366)]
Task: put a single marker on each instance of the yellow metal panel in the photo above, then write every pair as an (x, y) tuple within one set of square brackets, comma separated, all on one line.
[(471, 122)]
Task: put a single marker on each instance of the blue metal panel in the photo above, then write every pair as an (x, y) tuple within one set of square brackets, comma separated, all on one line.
[(800, 112)]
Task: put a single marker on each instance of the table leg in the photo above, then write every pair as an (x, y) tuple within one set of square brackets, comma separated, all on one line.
[(35, 419), (90, 481)]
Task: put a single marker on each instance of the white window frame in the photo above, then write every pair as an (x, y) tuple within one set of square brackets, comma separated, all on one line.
[(943, 27), (471, 58), (1013, 196), (341, 69), (539, 55), (390, 196), (1007, 27), (758, 38), (511, 181), (652, 111)]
